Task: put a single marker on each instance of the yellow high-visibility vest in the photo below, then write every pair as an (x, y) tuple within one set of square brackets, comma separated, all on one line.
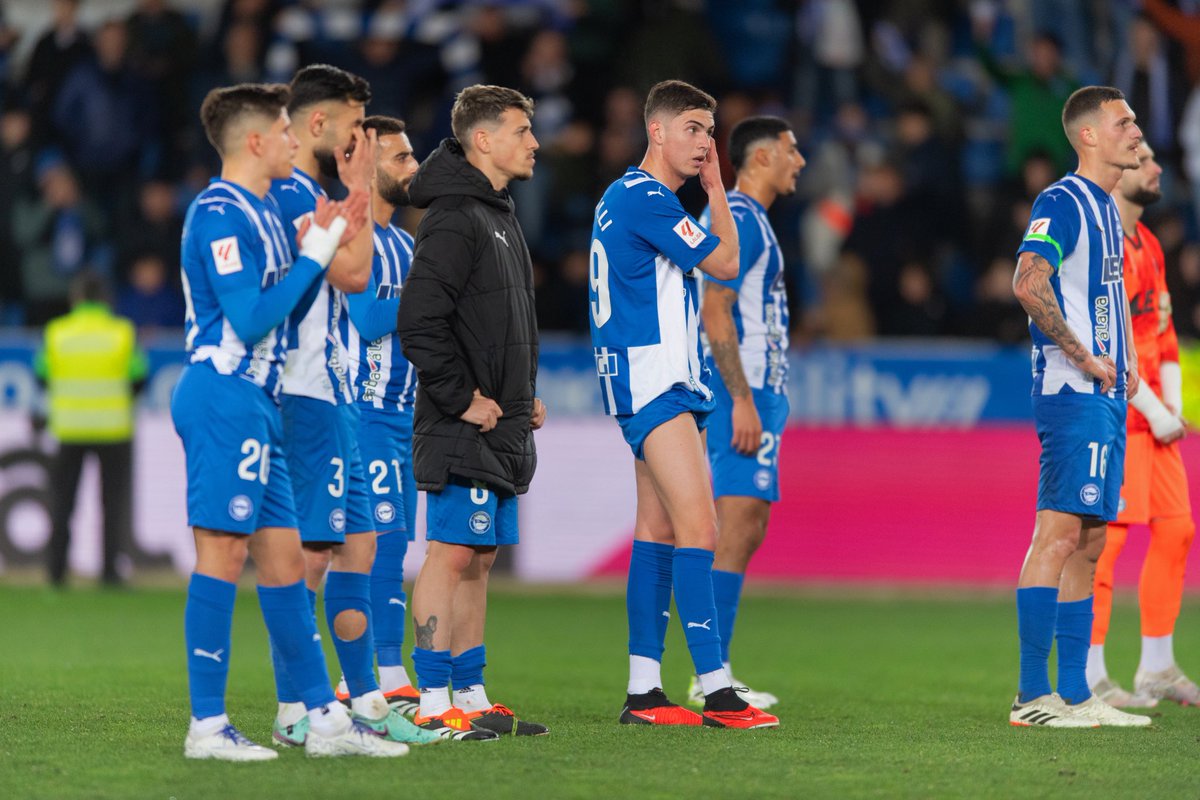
[(1189, 365), (89, 362)]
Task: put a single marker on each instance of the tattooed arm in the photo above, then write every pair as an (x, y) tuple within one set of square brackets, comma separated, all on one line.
[(1031, 285), (723, 341)]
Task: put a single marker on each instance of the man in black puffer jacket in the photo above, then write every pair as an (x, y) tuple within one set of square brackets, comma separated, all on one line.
[(467, 323)]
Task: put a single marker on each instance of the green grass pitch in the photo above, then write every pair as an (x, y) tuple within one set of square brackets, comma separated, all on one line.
[(884, 695)]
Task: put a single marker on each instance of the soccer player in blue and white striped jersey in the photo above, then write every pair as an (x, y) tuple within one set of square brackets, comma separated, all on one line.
[(384, 385), (319, 415), (746, 328), (241, 284), (1070, 279), (645, 334)]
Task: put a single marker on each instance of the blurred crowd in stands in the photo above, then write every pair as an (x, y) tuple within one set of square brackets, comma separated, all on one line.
[(929, 126)]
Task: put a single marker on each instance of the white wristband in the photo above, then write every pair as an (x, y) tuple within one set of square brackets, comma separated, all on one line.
[(1172, 385), (1162, 422), (320, 244)]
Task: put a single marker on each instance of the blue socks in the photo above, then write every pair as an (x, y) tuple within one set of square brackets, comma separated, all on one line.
[(351, 591), (648, 598), (207, 621), (1037, 610), (433, 668), (692, 579), (466, 668), (283, 686), (293, 631), (727, 592), (389, 605), (1073, 631)]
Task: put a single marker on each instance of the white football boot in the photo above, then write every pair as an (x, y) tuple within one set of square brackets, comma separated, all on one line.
[(355, 740), (225, 744), (1096, 710), (1047, 711)]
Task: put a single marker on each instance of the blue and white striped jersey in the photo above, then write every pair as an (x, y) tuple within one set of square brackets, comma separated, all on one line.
[(761, 309), (1076, 227), (232, 240), (645, 301), (383, 378), (317, 364)]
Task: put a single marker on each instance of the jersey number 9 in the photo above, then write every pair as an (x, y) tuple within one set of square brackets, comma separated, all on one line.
[(601, 301)]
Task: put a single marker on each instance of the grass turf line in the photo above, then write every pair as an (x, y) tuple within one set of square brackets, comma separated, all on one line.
[(882, 697)]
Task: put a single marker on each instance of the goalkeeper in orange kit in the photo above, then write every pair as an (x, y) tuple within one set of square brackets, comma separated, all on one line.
[(1155, 490)]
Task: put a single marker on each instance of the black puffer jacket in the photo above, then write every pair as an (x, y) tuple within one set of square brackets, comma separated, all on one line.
[(467, 321)]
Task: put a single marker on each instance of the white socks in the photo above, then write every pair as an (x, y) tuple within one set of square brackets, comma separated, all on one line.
[(644, 674), (290, 713), (393, 678), (332, 720), (207, 726), (1096, 670), (472, 698), (1158, 653), (714, 681), (435, 701), (371, 705)]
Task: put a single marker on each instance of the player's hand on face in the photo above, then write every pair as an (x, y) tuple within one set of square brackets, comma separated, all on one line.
[(483, 412), (710, 170), (747, 427), (538, 418), (356, 169)]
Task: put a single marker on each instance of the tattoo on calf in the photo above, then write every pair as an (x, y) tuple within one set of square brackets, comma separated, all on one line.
[(424, 633)]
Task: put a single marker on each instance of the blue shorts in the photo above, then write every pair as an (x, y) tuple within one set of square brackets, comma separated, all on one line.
[(664, 408), (385, 442), (740, 475), (327, 473), (1083, 454), (237, 472), (468, 512)]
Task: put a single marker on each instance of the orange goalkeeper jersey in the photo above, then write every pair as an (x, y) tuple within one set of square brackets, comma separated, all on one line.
[(1146, 283)]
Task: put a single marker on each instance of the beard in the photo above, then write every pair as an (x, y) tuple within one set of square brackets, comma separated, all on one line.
[(327, 163), (1144, 197), (392, 191)]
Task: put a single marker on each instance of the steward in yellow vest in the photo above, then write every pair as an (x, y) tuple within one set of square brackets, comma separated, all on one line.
[(91, 366)]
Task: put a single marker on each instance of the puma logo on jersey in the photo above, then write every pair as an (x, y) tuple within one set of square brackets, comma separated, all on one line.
[(289, 187), (206, 654), (701, 624), (658, 191), (502, 237)]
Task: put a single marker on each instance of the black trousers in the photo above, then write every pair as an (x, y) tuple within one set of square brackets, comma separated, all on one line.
[(116, 485)]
